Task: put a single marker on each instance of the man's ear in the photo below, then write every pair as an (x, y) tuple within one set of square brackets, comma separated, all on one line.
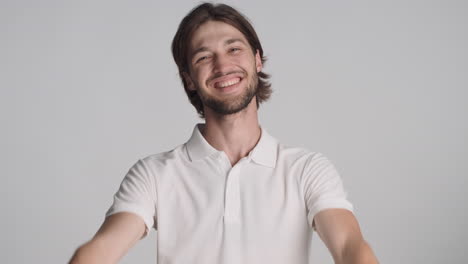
[(188, 81), (258, 61)]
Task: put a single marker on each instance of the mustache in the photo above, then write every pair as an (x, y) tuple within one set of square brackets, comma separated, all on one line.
[(221, 74)]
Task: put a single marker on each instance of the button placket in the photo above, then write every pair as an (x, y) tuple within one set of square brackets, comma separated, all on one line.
[(232, 210), (232, 199)]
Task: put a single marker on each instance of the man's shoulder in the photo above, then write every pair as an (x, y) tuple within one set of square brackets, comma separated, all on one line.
[(297, 156), (296, 152), (175, 154)]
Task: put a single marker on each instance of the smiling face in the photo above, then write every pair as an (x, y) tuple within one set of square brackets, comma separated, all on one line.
[(223, 69)]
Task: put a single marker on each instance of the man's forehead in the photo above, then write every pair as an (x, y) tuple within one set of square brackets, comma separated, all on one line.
[(213, 32)]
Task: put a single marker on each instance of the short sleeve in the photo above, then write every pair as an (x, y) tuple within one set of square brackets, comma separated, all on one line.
[(137, 194), (323, 187)]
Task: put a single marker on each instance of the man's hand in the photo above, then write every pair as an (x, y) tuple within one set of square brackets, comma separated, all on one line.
[(339, 230), (117, 235)]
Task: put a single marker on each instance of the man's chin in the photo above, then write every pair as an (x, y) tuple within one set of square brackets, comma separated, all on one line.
[(223, 108), (225, 111)]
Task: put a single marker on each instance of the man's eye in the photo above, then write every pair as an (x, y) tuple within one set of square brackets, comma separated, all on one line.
[(234, 49), (202, 58)]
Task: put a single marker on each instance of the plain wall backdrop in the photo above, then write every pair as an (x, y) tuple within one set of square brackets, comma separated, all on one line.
[(379, 87)]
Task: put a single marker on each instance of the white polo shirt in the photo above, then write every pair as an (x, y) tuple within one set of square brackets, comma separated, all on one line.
[(208, 212)]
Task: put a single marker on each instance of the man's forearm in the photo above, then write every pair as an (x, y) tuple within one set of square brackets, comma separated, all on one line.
[(90, 253), (358, 253)]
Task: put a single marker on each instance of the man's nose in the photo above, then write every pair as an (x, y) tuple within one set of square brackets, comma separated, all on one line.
[(221, 63)]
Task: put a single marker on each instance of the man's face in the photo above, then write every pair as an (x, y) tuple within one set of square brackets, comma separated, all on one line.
[(223, 68)]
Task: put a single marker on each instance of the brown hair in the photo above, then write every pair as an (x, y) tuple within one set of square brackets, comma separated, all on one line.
[(223, 13)]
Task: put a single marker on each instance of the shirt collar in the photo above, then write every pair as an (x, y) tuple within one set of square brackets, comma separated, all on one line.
[(264, 153)]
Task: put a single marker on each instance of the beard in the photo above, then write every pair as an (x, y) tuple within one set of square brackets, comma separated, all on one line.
[(231, 106)]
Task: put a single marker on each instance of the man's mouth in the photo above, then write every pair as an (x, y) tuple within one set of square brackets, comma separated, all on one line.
[(227, 83)]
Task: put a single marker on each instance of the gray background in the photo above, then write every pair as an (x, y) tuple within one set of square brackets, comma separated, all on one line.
[(380, 87)]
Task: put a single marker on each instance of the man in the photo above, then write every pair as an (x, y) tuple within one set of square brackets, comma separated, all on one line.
[(232, 193)]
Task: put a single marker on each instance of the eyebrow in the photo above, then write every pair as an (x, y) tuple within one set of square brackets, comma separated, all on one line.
[(227, 42), (230, 41)]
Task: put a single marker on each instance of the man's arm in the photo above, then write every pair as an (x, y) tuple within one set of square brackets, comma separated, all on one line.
[(118, 233), (339, 230)]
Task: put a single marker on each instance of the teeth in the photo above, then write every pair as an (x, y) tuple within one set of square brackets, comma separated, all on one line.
[(228, 83)]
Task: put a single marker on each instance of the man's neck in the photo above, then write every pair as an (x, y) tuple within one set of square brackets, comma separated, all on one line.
[(235, 134)]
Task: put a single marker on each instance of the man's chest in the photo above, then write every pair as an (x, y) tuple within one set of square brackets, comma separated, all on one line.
[(212, 193)]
